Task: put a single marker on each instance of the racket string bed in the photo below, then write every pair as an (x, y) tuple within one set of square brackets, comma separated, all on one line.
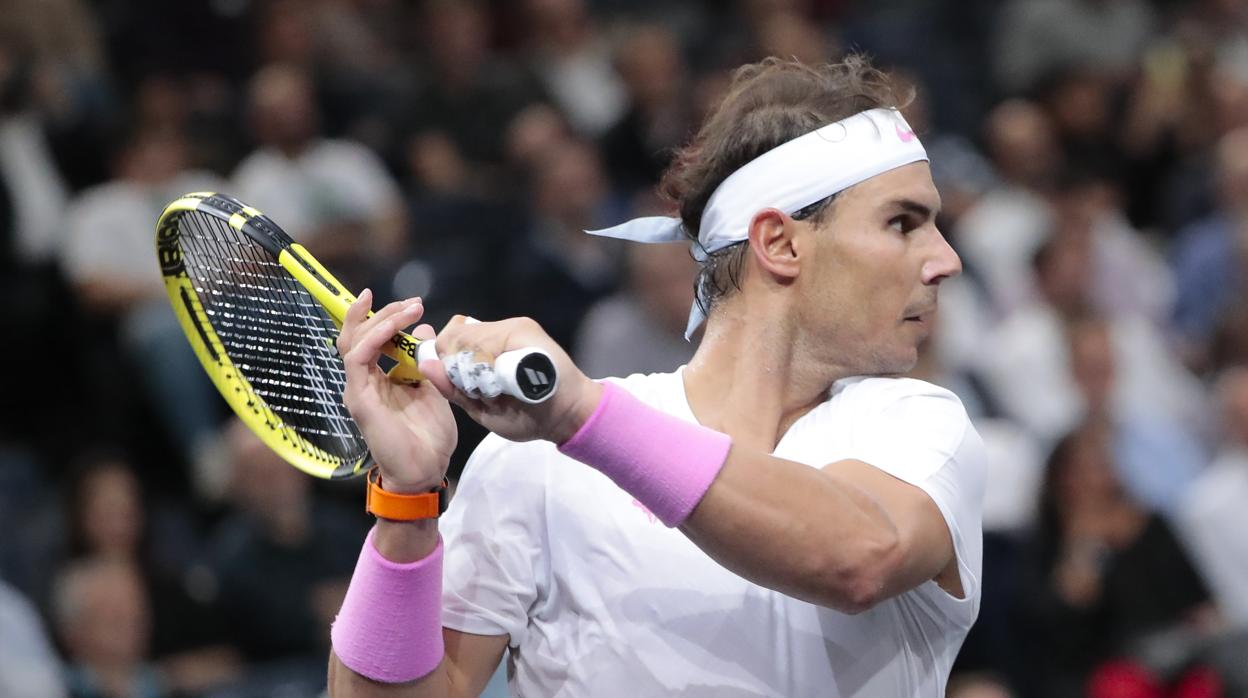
[(274, 332)]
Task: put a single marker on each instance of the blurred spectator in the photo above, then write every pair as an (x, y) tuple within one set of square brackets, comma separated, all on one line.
[(573, 60), (556, 272), (642, 329), (32, 199), (66, 71), (1045, 398), (1209, 255), (536, 130), (788, 35), (282, 558), (1036, 37), (350, 50), (34, 192), (1129, 277), (109, 521), (1107, 571), (333, 196), (103, 619), (1213, 507), (463, 89), (108, 258), (1156, 458), (1002, 229), (28, 666), (1217, 26), (1080, 102), (660, 114)]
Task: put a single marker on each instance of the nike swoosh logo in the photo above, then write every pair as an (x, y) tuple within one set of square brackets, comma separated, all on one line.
[(905, 135)]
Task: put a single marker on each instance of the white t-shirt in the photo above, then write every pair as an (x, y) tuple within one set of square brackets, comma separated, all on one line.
[(601, 599)]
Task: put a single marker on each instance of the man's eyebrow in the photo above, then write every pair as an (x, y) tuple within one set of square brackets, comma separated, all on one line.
[(912, 206)]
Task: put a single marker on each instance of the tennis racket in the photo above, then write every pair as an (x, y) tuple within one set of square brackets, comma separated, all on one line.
[(263, 315)]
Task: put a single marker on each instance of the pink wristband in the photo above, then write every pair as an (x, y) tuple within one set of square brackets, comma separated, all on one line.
[(663, 461), (390, 626)]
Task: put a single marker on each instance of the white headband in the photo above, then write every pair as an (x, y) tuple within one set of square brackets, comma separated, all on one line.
[(789, 177)]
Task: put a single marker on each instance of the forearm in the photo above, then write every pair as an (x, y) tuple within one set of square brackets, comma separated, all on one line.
[(798, 530)]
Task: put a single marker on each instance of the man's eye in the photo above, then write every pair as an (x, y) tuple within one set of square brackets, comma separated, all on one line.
[(902, 224)]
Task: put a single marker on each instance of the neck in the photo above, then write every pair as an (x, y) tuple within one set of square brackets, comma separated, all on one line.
[(752, 380)]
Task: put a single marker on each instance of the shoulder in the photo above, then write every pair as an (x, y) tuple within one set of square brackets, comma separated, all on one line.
[(907, 399), (909, 426)]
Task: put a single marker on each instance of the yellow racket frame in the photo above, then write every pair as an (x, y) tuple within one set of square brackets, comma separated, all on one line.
[(233, 386)]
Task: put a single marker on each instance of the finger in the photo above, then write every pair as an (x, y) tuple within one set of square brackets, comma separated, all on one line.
[(357, 313), (446, 341), (435, 373), (386, 313), (424, 332), (361, 360), (369, 345)]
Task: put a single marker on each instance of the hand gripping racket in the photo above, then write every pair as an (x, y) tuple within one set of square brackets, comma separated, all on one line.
[(262, 316)]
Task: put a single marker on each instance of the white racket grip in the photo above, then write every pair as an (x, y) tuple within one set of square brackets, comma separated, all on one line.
[(528, 374)]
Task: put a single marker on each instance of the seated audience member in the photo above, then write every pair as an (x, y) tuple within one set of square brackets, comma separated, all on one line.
[(556, 271), (282, 559), (1156, 457), (104, 621), (109, 259), (1107, 573), (109, 521), (1208, 265), (572, 57), (461, 86), (1002, 230), (333, 196), (1212, 515), (642, 329), (660, 112), (1045, 397)]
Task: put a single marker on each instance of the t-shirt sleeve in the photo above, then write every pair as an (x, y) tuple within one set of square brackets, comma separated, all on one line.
[(920, 434), (493, 533)]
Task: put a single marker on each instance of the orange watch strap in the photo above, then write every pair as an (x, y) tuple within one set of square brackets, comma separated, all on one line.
[(403, 507)]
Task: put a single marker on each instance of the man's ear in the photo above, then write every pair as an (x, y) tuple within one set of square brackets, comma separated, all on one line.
[(774, 244)]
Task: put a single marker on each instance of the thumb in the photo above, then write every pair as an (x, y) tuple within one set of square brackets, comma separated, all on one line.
[(435, 373)]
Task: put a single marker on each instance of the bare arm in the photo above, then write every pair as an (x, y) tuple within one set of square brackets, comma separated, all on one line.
[(470, 660), (847, 536)]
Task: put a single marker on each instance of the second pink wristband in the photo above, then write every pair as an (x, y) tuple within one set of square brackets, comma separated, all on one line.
[(665, 462)]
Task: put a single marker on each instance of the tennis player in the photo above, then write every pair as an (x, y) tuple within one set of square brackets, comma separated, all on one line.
[(782, 517)]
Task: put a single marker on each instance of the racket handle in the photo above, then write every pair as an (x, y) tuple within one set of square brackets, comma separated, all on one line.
[(527, 374)]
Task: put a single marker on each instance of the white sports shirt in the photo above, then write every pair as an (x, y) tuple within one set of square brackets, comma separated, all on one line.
[(601, 599)]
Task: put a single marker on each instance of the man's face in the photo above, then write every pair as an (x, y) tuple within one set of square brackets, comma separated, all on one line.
[(878, 259)]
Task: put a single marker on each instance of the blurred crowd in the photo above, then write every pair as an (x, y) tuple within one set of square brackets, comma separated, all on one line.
[(1093, 160)]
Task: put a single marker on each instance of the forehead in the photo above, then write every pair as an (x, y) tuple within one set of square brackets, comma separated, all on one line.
[(911, 182)]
